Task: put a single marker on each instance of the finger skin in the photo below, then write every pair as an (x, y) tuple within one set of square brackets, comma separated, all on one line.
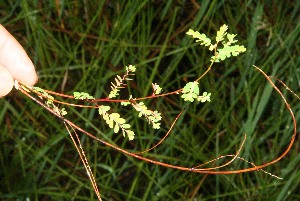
[(6, 81), (14, 58)]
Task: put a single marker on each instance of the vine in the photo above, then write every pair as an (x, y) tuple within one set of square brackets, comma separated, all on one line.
[(189, 93)]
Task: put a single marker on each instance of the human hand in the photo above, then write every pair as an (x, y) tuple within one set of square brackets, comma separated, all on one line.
[(14, 63)]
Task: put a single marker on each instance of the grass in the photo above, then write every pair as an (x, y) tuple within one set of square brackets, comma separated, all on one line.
[(82, 45)]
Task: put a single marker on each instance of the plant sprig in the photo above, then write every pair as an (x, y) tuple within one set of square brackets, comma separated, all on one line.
[(190, 92), (153, 117), (119, 81), (225, 38)]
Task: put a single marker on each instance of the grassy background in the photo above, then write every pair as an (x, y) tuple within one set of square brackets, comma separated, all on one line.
[(82, 45)]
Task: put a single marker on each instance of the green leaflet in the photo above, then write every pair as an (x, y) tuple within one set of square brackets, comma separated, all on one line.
[(129, 133), (221, 33), (116, 117), (103, 108), (82, 96), (201, 38), (43, 93), (230, 38), (125, 103)]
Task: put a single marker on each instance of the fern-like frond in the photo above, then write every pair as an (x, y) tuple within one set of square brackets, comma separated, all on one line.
[(119, 81)]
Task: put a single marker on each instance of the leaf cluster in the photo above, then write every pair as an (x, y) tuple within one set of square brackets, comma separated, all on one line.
[(190, 91), (223, 37), (115, 121)]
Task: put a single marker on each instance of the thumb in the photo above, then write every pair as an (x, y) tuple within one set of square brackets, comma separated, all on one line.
[(6, 81)]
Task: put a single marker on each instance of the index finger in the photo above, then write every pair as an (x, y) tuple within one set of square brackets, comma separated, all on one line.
[(14, 58)]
